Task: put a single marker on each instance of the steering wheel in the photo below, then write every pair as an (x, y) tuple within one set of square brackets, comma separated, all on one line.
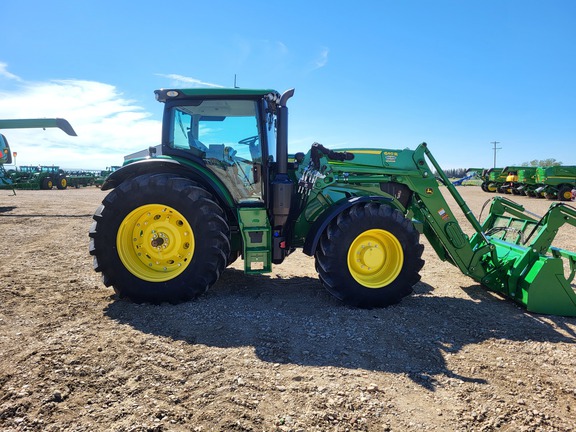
[(249, 141)]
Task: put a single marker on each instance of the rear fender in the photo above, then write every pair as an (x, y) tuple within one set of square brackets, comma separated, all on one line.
[(318, 227), (171, 166)]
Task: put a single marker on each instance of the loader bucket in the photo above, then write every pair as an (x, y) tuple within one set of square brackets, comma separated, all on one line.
[(520, 260)]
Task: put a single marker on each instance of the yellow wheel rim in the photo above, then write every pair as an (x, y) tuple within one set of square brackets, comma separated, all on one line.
[(375, 258), (155, 243), (63, 183), (567, 195)]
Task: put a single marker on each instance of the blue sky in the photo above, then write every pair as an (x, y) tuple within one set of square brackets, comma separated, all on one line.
[(388, 74)]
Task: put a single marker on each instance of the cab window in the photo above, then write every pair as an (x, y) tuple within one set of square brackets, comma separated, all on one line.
[(225, 134)]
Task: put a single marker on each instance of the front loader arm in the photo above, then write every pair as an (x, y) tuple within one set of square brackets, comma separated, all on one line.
[(440, 225)]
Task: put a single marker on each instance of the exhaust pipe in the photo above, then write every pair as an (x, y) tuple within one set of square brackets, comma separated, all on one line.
[(282, 138), (282, 186)]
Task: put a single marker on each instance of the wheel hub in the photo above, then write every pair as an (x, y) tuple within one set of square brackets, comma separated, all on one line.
[(375, 258), (155, 242), (160, 241), (370, 256)]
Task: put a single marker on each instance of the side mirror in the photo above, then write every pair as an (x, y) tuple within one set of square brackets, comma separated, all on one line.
[(5, 153)]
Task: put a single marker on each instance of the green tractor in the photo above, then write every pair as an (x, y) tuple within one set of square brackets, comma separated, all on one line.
[(50, 176), (38, 177), (225, 187)]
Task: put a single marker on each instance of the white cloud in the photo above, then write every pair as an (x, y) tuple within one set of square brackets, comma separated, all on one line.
[(4, 73), (108, 125), (322, 59), (181, 81)]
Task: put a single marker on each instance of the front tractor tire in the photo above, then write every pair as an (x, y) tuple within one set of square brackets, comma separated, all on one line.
[(159, 238), (370, 256)]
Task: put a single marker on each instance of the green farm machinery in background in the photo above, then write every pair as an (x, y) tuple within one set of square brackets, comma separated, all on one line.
[(103, 175), (81, 178), (556, 182), (225, 187), (527, 181), (553, 182), (31, 177), (493, 179), (502, 180), (38, 177), (511, 184)]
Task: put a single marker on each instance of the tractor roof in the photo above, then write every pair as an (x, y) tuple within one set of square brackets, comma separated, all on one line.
[(163, 95)]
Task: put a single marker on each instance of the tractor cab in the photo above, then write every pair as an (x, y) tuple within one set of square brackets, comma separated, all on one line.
[(233, 135)]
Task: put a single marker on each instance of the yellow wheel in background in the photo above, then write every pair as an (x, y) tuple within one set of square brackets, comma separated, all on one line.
[(565, 193), (155, 243), (375, 258)]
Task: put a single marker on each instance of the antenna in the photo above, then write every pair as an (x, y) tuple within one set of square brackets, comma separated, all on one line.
[(235, 86), (495, 148)]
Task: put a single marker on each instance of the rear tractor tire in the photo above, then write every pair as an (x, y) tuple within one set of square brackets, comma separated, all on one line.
[(370, 256), (159, 238), (62, 183)]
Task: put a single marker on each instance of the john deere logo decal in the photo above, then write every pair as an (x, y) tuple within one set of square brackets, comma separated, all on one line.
[(429, 191)]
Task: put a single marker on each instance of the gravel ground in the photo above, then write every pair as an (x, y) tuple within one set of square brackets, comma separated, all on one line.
[(272, 352)]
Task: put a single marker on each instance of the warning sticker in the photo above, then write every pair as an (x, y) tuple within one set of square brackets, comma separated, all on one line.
[(443, 214), (390, 156)]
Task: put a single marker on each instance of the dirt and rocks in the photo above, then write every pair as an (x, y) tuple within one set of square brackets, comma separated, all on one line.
[(263, 353)]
